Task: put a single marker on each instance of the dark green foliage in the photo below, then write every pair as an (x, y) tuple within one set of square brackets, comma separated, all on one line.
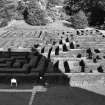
[(100, 69), (71, 6), (86, 5), (55, 14), (3, 22), (34, 15), (79, 20), (93, 9), (54, 2), (21, 7), (78, 17), (9, 10), (6, 10), (31, 12)]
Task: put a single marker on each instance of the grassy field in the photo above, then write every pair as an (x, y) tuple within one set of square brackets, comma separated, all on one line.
[(62, 95), (14, 98), (55, 95)]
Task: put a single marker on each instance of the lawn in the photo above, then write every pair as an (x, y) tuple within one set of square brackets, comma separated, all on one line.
[(55, 95), (61, 95), (14, 98)]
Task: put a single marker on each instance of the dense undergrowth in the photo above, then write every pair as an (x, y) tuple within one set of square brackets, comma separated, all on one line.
[(81, 13), (94, 10)]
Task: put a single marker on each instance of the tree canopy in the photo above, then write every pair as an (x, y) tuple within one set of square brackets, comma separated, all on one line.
[(93, 9)]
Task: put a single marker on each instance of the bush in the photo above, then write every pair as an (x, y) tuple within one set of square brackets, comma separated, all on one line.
[(54, 2), (34, 15), (54, 14), (7, 9), (18, 16), (3, 22), (79, 20), (94, 10)]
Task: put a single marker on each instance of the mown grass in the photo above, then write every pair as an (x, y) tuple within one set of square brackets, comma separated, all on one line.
[(61, 95), (14, 98)]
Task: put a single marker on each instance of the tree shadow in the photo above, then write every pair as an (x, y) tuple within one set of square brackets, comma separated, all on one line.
[(62, 95)]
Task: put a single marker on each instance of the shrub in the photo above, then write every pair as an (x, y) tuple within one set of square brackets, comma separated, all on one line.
[(54, 14), (93, 9), (79, 20), (34, 15), (6, 12), (54, 2), (3, 22)]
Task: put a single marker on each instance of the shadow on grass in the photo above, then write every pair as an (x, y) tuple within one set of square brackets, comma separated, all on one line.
[(62, 95)]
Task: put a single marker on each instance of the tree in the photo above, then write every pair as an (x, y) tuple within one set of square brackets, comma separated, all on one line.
[(7, 9), (34, 15), (79, 20), (93, 9), (55, 2)]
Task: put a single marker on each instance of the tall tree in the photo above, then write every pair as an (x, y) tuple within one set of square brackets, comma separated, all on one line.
[(34, 15), (94, 9)]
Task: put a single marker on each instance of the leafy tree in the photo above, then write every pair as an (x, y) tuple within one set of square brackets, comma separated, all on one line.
[(93, 9), (34, 15), (7, 9)]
